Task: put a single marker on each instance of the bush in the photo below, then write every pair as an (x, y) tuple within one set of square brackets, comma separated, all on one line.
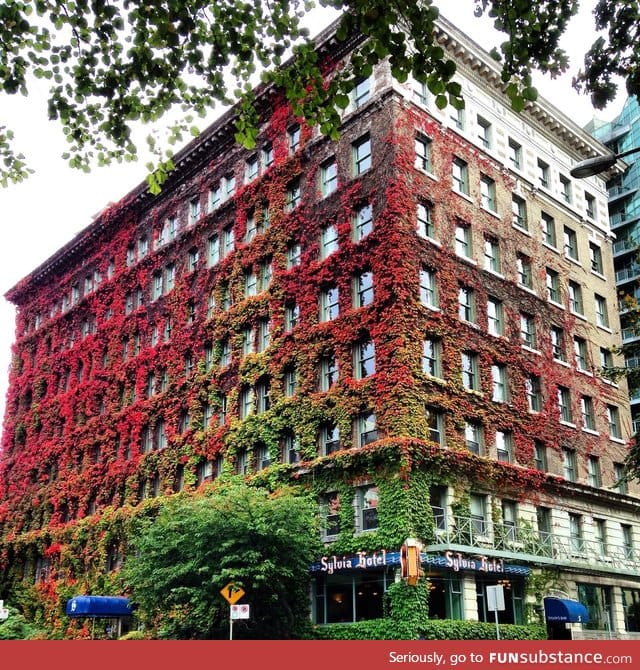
[(449, 629), (16, 627)]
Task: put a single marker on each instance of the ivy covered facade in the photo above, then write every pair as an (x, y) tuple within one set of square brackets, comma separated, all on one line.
[(408, 322)]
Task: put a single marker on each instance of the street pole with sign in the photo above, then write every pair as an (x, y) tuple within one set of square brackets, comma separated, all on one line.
[(232, 593), (495, 603)]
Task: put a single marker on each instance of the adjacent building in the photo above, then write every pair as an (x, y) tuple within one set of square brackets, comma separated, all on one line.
[(410, 321)]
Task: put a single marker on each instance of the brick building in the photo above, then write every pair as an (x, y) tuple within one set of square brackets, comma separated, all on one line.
[(411, 320)]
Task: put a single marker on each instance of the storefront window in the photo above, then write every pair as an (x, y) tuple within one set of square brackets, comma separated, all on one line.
[(445, 598), (631, 607), (345, 598), (597, 600), (513, 600)]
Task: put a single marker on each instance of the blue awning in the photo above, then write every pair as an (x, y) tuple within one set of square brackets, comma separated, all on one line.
[(562, 610), (99, 607)]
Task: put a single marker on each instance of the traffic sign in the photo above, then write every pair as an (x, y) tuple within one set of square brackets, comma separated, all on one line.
[(231, 593), (240, 611), (4, 613)]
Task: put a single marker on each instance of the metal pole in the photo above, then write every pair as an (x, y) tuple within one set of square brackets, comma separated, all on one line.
[(495, 611), (230, 625)]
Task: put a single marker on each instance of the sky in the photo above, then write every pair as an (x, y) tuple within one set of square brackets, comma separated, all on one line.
[(43, 213)]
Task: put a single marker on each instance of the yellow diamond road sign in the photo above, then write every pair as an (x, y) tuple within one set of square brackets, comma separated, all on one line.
[(231, 593)]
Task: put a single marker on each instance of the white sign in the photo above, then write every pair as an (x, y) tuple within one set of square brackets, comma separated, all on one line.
[(4, 613), (240, 611), (495, 598)]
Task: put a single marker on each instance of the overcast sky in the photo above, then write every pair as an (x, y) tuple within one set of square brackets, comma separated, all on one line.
[(43, 213)]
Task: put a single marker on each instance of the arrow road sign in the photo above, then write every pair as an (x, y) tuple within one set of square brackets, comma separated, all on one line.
[(231, 593)]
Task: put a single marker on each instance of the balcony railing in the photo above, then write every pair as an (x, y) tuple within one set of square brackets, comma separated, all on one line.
[(625, 245), (628, 273), (478, 534)]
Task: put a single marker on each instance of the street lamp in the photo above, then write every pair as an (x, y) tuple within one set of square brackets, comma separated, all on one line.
[(598, 164)]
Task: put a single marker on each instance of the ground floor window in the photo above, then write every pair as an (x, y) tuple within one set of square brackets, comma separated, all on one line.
[(513, 600), (631, 607), (597, 600), (445, 597), (349, 597)]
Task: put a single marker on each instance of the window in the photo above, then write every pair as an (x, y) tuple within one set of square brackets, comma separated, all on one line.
[(470, 377), (606, 358), (264, 334), (595, 256), (557, 344), (228, 240), (250, 284), (540, 457), (131, 256), (528, 330), (523, 267), (242, 462), (367, 508), (248, 341), (264, 276), (215, 197), (291, 316), (229, 185), (424, 217), (290, 381), (570, 243), (432, 357), (438, 503), (423, 153), (593, 470), (225, 353), (329, 439), (192, 259), (613, 418), (328, 372), (291, 451), (553, 286), (363, 222), (293, 195), (565, 189), (331, 514), (515, 154), (263, 460), (495, 317), (160, 435), (328, 177), (627, 540), (575, 298), (251, 228), (361, 92), (504, 446), (588, 414), (293, 255), (420, 92), (366, 431), (492, 255), (488, 193), (222, 415), (519, 212), (484, 132), (463, 241), (293, 133), (509, 519), (580, 349), (364, 359), (428, 289), (329, 304), (194, 210), (169, 278), (267, 155), (328, 241), (564, 405), (478, 513), (466, 304), (569, 464), (602, 313), (619, 476), (251, 168), (246, 402), (435, 424), (156, 286), (590, 205), (361, 155), (543, 173), (213, 251), (534, 393), (263, 399), (457, 116), (500, 387), (460, 176), (575, 533), (549, 229)]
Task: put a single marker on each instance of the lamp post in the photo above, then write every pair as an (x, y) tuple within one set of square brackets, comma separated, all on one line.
[(598, 164)]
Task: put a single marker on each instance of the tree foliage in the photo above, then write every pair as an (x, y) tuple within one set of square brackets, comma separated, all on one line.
[(114, 64), (262, 542)]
